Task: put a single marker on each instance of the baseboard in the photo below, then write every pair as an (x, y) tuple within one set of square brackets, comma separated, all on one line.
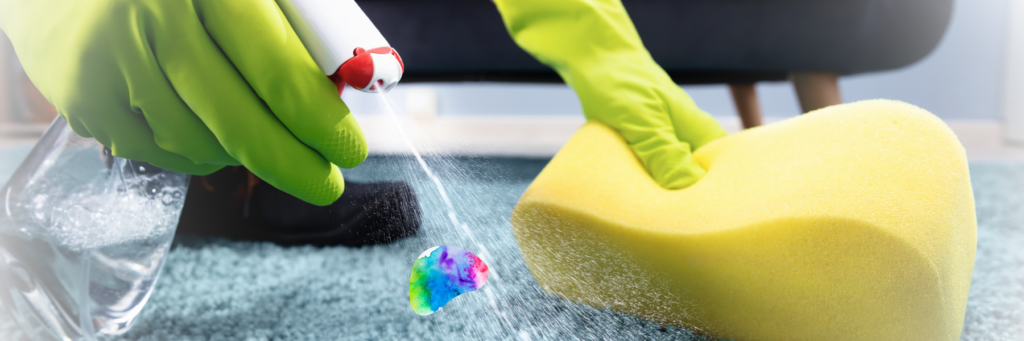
[(543, 136)]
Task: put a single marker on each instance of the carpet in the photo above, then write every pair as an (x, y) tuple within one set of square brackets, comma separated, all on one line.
[(217, 289)]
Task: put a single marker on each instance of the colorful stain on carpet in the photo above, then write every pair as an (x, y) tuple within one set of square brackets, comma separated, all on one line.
[(442, 273)]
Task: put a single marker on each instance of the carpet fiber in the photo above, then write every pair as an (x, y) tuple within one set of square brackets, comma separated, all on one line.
[(215, 289)]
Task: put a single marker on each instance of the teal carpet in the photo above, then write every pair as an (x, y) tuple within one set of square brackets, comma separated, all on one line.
[(215, 289)]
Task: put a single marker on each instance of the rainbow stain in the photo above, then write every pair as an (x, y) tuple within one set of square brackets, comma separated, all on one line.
[(442, 273)]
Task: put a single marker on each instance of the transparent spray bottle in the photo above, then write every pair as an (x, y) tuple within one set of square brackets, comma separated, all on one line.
[(84, 234)]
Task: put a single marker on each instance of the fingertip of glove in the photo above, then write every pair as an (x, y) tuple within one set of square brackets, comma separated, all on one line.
[(204, 170), (322, 192), (678, 183), (344, 149), (681, 177), (77, 126)]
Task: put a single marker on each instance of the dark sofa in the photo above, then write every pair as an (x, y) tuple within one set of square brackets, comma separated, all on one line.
[(696, 41)]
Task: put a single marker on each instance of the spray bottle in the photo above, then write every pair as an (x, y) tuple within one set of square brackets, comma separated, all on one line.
[(345, 44), (84, 234)]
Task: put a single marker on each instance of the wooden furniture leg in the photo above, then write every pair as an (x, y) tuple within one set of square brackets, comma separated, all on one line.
[(816, 90), (744, 95)]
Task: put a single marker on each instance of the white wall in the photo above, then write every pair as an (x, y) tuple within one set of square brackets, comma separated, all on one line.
[(1013, 94), (961, 79)]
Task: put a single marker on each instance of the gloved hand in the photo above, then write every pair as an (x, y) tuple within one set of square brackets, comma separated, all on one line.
[(191, 86), (593, 45)]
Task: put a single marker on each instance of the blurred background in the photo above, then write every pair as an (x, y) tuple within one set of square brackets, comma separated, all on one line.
[(468, 90), (968, 77)]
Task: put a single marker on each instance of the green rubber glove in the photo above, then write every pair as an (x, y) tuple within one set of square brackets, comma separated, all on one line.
[(191, 86), (593, 45)]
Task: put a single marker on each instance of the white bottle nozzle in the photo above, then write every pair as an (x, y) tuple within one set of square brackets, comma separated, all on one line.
[(332, 31)]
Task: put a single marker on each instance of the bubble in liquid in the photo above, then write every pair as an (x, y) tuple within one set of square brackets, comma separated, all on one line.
[(91, 218), (441, 274)]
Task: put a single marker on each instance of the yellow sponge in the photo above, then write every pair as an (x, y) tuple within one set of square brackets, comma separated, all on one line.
[(854, 222)]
